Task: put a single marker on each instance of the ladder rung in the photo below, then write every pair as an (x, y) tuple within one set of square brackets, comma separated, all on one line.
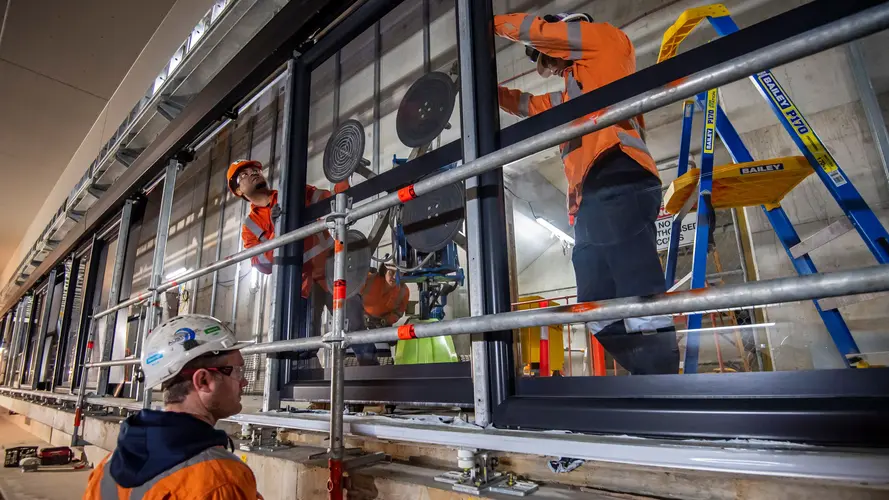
[(822, 237), (837, 302)]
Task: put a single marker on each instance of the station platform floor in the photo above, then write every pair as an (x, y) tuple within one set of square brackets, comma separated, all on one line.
[(42, 485)]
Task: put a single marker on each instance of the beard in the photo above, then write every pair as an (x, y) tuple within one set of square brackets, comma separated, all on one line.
[(223, 406), (262, 185)]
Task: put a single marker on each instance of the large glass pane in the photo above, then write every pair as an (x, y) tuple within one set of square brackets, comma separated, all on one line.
[(81, 264), (417, 272), (205, 212), (106, 272), (32, 338), (607, 183), (50, 341)]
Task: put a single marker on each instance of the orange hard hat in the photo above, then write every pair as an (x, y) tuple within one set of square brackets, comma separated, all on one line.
[(233, 170)]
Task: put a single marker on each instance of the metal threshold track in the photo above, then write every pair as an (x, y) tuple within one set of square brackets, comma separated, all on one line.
[(763, 458), (750, 457)]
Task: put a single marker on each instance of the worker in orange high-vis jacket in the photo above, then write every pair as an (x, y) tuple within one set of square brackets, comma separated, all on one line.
[(385, 300), (178, 452), (614, 193), (245, 180)]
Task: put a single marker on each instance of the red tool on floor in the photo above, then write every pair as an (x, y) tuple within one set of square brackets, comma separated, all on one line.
[(52, 458)]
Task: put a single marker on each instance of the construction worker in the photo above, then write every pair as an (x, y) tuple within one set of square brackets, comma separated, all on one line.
[(178, 453), (246, 181), (385, 301), (614, 192)]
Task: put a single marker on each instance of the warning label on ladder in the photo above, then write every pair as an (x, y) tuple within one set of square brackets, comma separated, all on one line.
[(664, 225)]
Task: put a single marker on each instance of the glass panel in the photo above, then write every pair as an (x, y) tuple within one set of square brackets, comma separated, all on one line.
[(243, 294), (415, 277), (32, 335), (142, 234), (216, 155), (106, 272), (9, 323), (614, 199), (82, 265), (21, 344), (50, 342)]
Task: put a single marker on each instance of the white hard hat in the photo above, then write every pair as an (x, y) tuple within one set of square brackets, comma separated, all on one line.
[(179, 340)]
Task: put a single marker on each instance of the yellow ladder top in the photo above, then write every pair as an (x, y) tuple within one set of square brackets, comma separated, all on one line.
[(685, 25)]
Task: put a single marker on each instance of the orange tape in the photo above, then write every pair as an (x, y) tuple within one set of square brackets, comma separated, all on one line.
[(77, 416), (406, 332), (339, 294), (337, 246), (583, 307), (406, 194)]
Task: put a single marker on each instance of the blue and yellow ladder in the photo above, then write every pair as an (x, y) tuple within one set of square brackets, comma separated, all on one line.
[(748, 182)]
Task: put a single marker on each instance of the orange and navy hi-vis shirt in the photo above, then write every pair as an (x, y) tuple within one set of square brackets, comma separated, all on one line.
[(600, 54), (162, 455), (381, 300), (259, 227)]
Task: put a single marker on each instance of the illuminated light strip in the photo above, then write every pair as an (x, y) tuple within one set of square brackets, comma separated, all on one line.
[(727, 328), (558, 233)]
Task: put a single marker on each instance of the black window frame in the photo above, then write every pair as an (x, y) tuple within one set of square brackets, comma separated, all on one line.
[(839, 407)]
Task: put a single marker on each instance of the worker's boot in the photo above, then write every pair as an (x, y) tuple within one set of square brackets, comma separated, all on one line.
[(642, 353)]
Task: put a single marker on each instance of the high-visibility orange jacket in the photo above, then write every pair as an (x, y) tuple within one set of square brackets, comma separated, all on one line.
[(162, 455), (384, 301), (600, 54), (259, 227)]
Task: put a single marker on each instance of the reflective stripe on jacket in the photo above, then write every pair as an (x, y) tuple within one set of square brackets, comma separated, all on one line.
[(259, 227), (381, 300), (601, 54), (214, 474)]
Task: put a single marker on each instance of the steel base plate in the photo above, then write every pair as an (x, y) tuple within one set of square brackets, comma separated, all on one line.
[(425, 110), (431, 221), (497, 483), (357, 263)]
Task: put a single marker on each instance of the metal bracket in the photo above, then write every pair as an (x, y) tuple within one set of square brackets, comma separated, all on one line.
[(822, 237)]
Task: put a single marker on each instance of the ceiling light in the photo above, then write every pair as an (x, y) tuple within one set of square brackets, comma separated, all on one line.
[(558, 233), (177, 273)]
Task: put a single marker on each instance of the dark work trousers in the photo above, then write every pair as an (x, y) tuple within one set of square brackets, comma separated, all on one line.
[(365, 354), (616, 256)]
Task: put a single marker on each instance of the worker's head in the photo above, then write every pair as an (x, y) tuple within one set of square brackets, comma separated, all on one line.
[(387, 273), (196, 361), (547, 65), (245, 179)]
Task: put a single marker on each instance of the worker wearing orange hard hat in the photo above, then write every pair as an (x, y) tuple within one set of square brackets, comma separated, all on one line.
[(614, 193), (245, 180)]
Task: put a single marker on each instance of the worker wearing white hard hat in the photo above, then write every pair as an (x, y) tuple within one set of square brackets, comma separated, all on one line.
[(178, 452)]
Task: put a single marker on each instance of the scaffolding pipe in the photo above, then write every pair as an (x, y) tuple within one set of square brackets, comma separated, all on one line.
[(81, 391), (760, 293), (114, 362), (836, 33), (337, 341)]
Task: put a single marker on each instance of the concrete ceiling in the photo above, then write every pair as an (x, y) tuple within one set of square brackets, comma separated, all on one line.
[(60, 62)]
